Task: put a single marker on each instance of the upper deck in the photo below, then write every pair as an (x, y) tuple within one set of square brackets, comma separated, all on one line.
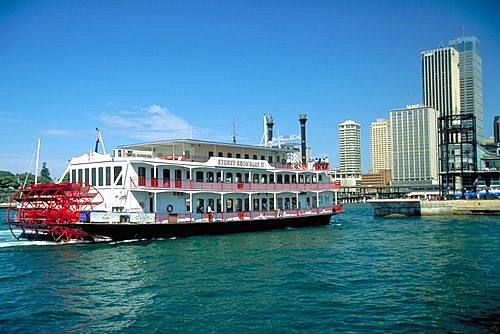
[(228, 155)]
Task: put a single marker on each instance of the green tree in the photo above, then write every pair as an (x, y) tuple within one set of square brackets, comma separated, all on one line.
[(45, 174), (8, 181)]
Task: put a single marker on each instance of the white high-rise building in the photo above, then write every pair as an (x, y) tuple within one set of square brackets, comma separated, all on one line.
[(414, 143), (380, 145), (441, 80), (350, 148)]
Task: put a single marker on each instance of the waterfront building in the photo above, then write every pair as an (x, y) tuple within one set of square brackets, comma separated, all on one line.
[(441, 80), (380, 145), (350, 148), (380, 178), (471, 80), (414, 144)]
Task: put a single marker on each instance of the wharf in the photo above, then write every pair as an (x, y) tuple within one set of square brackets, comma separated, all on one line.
[(422, 207)]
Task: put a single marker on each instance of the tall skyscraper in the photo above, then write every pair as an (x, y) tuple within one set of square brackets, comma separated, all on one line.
[(414, 139), (380, 145), (471, 80), (496, 129), (350, 147), (441, 80)]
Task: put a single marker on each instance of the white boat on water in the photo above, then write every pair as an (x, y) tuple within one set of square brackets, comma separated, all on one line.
[(181, 187)]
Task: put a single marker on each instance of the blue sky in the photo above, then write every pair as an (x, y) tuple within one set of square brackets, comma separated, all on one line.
[(148, 70)]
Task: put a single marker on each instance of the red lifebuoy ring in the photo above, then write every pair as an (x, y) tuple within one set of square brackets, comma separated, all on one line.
[(170, 208)]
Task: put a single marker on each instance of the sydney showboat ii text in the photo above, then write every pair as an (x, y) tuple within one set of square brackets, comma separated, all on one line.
[(186, 187)]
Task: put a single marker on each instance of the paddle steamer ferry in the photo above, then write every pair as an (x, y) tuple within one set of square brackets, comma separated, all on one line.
[(180, 187)]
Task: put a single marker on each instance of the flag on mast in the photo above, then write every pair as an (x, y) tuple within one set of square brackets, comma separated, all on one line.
[(97, 136)]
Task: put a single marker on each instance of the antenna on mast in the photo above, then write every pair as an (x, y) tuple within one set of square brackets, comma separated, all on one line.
[(234, 132)]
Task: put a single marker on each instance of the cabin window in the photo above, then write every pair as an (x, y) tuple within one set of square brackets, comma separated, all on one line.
[(211, 203), (178, 178), (238, 178), (210, 176), (238, 156), (239, 205), (247, 204), (270, 159), (87, 176), (219, 205), (294, 203), (94, 177), (254, 157), (271, 204), (117, 171), (256, 204), (247, 156), (100, 176), (200, 205), (294, 178), (264, 178), (219, 176), (264, 204), (199, 176), (229, 155), (255, 178), (262, 157), (229, 177), (271, 178), (220, 154), (301, 178), (229, 205), (108, 176), (210, 154), (141, 173), (247, 177), (80, 175), (280, 178), (73, 175), (166, 174), (287, 178), (280, 203)]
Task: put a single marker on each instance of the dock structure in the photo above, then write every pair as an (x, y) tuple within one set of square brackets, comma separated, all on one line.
[(420, 207)]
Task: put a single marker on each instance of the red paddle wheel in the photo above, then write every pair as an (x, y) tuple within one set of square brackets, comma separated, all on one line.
[(44, 211)]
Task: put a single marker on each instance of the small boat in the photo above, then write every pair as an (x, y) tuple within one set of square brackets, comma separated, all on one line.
[(176, 188)]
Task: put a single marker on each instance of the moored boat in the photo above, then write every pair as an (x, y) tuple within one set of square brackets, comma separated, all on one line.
[(178, 188)]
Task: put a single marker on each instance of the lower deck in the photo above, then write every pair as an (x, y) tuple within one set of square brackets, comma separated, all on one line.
[(170, 217)]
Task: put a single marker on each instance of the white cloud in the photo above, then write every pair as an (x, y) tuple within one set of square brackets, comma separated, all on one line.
[(4, 118), (147, 123)]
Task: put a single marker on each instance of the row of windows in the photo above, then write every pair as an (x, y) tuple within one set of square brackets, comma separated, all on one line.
[(210, 176), (97, 176)]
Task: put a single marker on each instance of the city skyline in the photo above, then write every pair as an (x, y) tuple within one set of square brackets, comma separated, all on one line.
[(143, 72)]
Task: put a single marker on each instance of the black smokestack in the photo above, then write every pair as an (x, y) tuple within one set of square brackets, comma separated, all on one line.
[(302, 120), (270, 125)]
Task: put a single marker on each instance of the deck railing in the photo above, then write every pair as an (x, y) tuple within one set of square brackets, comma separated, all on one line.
[(243, 215), (139, 182)]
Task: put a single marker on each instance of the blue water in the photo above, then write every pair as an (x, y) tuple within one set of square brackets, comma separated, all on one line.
[(359, 274)]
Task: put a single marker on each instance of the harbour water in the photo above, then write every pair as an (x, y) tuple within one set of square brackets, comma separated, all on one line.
[(359, 274)]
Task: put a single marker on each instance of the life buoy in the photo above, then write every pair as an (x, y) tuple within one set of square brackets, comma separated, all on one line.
[(170, 208)]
